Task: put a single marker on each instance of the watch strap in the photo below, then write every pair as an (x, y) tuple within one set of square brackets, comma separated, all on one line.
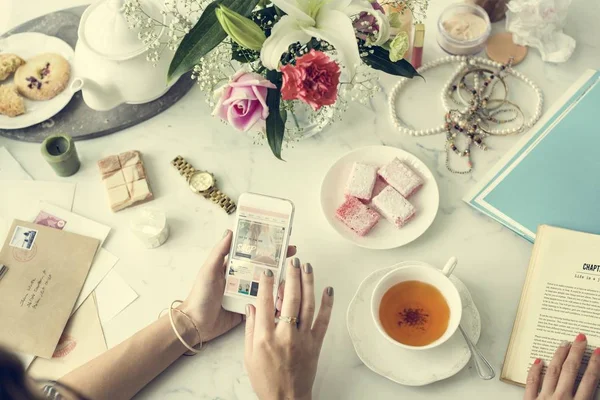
[(185, 168), (217, 197)]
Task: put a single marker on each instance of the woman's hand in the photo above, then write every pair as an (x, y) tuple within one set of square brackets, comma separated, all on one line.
[(282, 358), (203, 304), (559, 382)]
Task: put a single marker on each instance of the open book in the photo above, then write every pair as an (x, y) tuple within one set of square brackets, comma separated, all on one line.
[(560, 299)]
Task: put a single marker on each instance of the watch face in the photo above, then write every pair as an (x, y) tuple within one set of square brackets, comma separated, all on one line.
[(201, 181)]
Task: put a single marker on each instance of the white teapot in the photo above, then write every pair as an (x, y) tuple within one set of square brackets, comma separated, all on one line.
[(110, 61)]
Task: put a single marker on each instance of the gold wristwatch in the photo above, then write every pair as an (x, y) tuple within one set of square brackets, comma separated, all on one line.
[(204, 184)]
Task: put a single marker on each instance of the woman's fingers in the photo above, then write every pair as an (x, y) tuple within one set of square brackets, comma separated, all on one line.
[(307, 309), (293, 291), (215, 259), (319, 328), (534, 377), (554, 368), (291, 252), (279, 302), (571, 366), (265, 307), (590, 379), (249, 338)]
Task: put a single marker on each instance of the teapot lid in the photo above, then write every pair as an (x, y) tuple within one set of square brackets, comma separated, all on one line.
[(105, 30)]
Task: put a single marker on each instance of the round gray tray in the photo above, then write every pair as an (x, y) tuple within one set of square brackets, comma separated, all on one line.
[(77, 119)]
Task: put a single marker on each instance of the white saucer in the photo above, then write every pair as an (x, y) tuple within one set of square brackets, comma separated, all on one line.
[(27, 45), (406, 367), (384, 235)]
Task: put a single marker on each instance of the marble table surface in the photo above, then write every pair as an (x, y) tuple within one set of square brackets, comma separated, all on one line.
[(492, 260)]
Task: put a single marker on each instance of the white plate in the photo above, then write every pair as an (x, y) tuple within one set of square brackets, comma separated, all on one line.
[(384, 235), (408, 367), (27, 45)]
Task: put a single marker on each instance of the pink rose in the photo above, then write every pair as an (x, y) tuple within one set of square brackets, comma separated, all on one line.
[(243, 101), (314, 80)]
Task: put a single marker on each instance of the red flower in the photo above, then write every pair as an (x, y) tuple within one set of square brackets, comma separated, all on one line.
[(314, 80)]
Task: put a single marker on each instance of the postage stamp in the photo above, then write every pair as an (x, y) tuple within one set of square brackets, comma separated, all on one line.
[(23, 238), (50, 221)]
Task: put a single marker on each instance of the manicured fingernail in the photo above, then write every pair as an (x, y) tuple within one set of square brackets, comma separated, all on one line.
[(565, 343), (247, 310), (296, 262), (537, 361), (580, 338), (269, 273), (597, 352), (329, 291), (226, 233), (308, 268)]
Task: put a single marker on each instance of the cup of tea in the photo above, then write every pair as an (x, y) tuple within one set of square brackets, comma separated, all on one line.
[(416, 306)]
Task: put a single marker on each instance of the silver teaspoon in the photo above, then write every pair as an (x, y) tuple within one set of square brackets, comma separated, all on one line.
[(484, 369)]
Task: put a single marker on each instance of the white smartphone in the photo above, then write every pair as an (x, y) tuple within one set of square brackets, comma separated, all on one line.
[(260, 240)]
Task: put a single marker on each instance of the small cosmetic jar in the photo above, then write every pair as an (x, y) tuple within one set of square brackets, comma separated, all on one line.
[(463, 29)]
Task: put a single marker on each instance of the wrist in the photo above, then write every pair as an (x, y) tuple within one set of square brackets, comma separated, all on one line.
[(186, 327)]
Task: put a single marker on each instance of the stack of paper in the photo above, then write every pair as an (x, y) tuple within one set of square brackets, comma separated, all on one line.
[(49, 204)]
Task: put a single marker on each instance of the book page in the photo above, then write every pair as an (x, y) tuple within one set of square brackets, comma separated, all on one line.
[(560, 299)]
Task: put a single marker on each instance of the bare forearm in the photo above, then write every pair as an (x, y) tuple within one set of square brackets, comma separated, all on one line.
[(125, 369)]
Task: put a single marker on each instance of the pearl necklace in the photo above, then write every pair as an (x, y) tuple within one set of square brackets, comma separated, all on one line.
[(460, 115)]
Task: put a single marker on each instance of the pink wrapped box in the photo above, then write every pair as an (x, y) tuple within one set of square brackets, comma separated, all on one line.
[(401, 177), (361, 181), (357, 216), (393, 206)]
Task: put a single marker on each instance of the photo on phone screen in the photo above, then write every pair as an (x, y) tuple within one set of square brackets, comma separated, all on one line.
[(260, 243)]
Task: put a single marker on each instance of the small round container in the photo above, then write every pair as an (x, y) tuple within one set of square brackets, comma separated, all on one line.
[(462, 47)]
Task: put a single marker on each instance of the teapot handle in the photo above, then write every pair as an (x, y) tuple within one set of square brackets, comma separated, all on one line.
[(77, 85)]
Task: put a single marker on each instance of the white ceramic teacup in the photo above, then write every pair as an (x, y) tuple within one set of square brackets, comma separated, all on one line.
[(420, 271)]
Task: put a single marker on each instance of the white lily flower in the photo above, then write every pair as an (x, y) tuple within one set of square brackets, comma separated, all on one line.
[(328, 20)]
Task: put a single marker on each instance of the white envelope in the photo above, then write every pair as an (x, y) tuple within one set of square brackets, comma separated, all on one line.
[(21, 199), (113, 295), (10, 168)]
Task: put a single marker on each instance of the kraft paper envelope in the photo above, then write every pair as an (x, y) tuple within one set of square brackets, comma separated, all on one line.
[(46, 271)]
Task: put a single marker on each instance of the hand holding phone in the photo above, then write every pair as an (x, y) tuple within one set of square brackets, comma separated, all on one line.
[(260, 240)]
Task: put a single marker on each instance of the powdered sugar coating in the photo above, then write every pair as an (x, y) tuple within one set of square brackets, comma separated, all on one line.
[(401, 177), (357, 216), (393, 206), (361, 181)]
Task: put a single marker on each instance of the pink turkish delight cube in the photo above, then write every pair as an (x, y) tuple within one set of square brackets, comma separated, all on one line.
[(357, 216), (401, 177), (361, 181), (393, 206)]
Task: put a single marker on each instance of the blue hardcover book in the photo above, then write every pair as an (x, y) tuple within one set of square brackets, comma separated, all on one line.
[(553, 175)]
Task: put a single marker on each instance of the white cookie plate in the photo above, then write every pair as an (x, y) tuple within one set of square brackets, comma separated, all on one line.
[(409, 367), (27, 45), (384, 235)]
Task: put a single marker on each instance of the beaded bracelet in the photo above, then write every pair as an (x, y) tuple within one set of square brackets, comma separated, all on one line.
[(191, 350)]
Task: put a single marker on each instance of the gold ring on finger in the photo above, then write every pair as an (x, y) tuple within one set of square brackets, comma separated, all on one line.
[(289, 320)]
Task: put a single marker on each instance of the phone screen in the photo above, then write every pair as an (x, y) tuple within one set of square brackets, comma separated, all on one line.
[(258, 245)]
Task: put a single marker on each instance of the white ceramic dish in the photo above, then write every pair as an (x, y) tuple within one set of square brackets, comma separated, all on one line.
[(409, 367), (384, 235), (27, 45)]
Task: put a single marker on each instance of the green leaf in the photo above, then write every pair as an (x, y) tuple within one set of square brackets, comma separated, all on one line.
[(205, 36), (275, 123), (380, 59)]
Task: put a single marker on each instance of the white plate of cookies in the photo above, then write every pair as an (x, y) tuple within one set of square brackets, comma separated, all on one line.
[(35, 76), (380, 197)]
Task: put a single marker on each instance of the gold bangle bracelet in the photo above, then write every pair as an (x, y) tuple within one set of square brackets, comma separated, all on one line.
[(192, 351)]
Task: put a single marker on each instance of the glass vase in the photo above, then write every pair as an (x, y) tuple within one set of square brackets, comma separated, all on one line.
[(302, 122)]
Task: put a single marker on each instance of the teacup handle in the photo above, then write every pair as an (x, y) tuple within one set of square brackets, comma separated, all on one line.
[(449, 267)]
